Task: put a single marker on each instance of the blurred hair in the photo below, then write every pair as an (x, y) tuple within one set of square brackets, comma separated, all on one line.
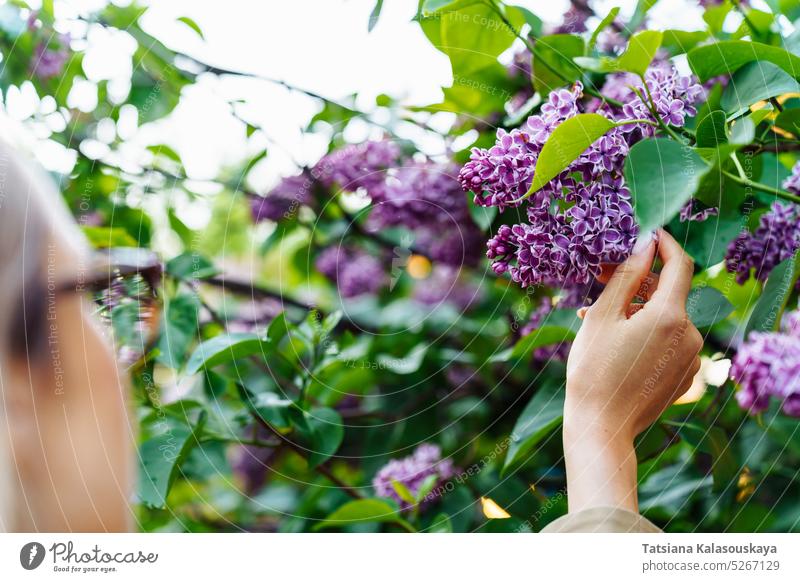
[(22, 309)]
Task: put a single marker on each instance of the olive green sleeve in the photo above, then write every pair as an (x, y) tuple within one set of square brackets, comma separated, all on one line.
[(602, 520)]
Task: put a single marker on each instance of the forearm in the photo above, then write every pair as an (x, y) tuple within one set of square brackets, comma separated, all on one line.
[(601, 467)]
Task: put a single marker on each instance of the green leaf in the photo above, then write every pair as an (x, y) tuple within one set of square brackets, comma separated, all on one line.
[(605, 23), (542, 414), (226, 348), (713, 441), (327, 432), (553, 65), (789, 119), (565, 144), (179, 327), (681, 41), (474, 36), (101, 237), (278, 329), (483, 216), (641, 49), (193, 25), (375, 15), (706, 306), (191, 266), (728, 56), (440, 524), (662, 175), (742, 131), (426, 487), (403, 492), (711, 130), (543, 336), (756, 81), (364, 511), (408, 364), (766, 315), (160, 458), (534, 22)]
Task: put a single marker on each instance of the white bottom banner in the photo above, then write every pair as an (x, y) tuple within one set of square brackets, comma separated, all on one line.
[(389, 557)]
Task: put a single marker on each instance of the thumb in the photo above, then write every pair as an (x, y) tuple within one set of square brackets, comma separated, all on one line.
[(627, 278)]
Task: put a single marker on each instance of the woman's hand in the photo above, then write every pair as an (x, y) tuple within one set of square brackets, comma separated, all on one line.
[(627, 364)]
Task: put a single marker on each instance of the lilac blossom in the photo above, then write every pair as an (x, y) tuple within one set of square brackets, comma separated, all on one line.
[(49, 58), (767, 366), (584, 216), (425, 197), (354, 271), (776, 239), (792, 183), (358, 166), (283, 201), (412, 472), (692, 211)]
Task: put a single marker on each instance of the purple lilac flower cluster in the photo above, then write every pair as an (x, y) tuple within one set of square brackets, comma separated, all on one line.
[(52, 50), (767, 366), (565, 246), (412, 471), (425, 197), (358, 166), (283, 200), (776, 239), (354, 271)]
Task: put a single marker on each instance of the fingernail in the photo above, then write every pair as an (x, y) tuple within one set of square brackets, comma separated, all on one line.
[(643, 243)]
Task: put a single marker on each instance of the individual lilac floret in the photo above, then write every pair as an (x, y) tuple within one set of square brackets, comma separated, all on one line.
[(354, 271), (792, 183), (776, 239), (359, 166), (412, 471), (283, 201), (692, 211), (767, 366)]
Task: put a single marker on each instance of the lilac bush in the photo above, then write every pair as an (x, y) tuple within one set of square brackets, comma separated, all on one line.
[(412, 472)]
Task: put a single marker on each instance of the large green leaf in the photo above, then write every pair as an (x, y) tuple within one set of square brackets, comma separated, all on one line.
[(766, 315), (544, 336), (553, 65), (542, 414), (756, 81), (473, 36), (226, 348), (728, 56), (567, 142), (713, 441), (364, 510), (327, 431), (641, 49), (662, 175), (179, 327), (706, 306), (710, 131), (160, 458)]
